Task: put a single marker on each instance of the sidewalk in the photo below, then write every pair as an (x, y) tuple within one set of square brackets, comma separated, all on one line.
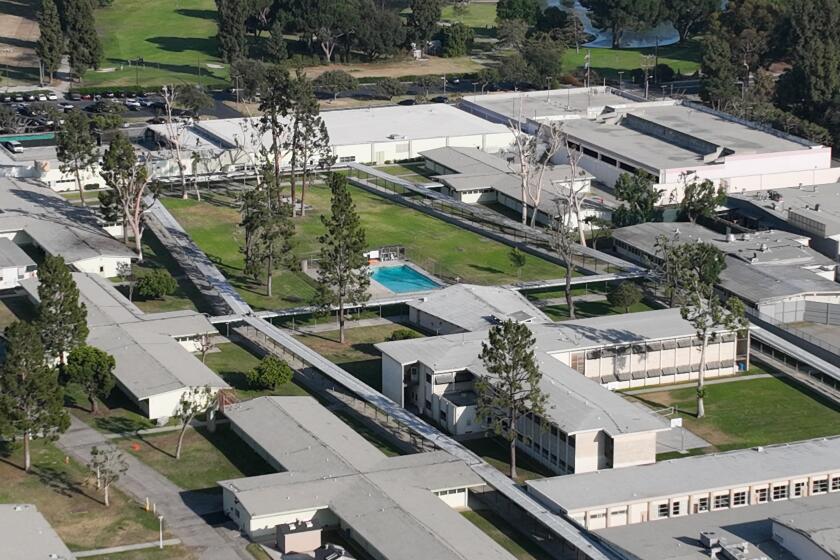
[(182, 510), (124, 548)]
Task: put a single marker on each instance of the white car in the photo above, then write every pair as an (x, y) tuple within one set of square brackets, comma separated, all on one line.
[(42, 97), (132, 102), (52, 96), (13, 146)]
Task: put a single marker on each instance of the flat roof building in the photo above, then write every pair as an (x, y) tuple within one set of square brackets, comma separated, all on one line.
[(152, 351), (396, 508), (774, 271), (694, 485), (675, 142), (812, 534), (590, 427), (26, 535), (15, 264), (39, 218)]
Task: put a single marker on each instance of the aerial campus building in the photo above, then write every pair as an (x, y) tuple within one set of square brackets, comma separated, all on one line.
[(773, 271), (331, 480), (374, 135), (589, 427), (39, 221), (675, 142), (154, 363), (27, 535)]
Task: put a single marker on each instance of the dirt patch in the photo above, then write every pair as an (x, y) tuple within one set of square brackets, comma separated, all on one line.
[(402, 67), (18, 35)]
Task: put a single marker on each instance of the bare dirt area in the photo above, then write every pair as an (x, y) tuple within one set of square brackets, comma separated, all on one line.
[(402, 67), (18, 34)]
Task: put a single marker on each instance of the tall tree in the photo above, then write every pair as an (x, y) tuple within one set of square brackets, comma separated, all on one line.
[(690, 15), (83, 43), (380, 33), (336, 81), (456, 39), (93, 369), (701, 199), (638, 199), (343, 275), (624, 295), (718, 86), (524, 10), (619, 16), (50, 45), (195, 401), (31, 400), (270, 241), (563, 243), (699, 272), (107, 464), (310, 140), (512, 387), (276, 44), (61, 317), (231, 16), (127, 179), (423, 20), (76, 148), (752, 29), (276, 106)]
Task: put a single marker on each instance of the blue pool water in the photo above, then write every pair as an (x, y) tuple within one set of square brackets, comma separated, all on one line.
[(403, 279)]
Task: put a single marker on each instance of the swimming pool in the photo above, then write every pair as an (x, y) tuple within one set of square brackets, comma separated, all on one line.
[(402, 279)]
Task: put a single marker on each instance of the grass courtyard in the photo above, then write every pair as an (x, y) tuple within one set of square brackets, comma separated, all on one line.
[(73, 507), (205, 458), (232, 361), (752, 412), (439, 247), (506, 536), (495, 451)]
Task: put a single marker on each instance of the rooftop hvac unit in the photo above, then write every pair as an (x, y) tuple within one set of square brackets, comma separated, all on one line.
[(396, 136)]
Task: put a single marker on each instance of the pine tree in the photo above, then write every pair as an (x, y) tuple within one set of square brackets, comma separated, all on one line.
[(309, 141), (511, 388), (83, 43), (76, 148), (31, 400), (61, 318), (231, 20), (718, 86), (276, 44), (93, 369), (343, 275), (50, 46)]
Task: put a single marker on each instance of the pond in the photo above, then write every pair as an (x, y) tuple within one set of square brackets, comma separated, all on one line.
[(665, 32)]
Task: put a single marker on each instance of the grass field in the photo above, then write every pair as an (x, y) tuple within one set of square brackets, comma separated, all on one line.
[(72, 507), (168, 553), (506, 536), (752, 412), (186, 296), (480, 15), (116, 414), (231, 361), (495, 451), (205, 458), (357, 355), (439, 247), (608, 62)]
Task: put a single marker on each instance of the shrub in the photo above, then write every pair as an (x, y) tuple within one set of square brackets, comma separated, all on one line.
[(270, 373), (155, 284), (625, 295), (403, 334)]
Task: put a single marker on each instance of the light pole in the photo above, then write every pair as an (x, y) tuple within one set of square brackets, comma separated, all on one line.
[(547, 88), (620, 83), (444, 83), (160, 519)]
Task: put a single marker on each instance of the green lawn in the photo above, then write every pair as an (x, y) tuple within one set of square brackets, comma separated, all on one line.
[(497, 453), (608, 62), (439, 247), (186, 295), (509, 538), (357, 355), (231, 361), (116, 413), (73, 507), (167, 553), (752, 412), (481, 15), (585, 309), (205, 458), (175, 38)]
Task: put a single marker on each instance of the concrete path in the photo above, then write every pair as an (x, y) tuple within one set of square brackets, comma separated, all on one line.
[(360, 323), (182, 510), (125, 548), (662, 388)]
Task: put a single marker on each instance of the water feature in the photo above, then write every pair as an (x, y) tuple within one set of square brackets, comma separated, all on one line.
[(403, 279), (664, 32)]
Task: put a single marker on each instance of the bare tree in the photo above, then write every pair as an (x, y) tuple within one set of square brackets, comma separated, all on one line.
[(175, 131), (562, 241), (205, 345), (107, 465), (577, 193), (549, 139), (195, 401), (520, 162)]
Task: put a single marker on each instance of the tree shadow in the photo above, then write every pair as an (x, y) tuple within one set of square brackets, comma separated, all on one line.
[(58, 481), (199, 14), (489, 269), (119, 424), (206, 45), (236, 451)]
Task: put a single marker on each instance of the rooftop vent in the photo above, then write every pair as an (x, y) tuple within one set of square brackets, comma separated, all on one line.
[(396, 136), (764, 248), (730, 237)]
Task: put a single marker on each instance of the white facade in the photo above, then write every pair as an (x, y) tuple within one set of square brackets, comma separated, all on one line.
[(104, 265), (11, 276)]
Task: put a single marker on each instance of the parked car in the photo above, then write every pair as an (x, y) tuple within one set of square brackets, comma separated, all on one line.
[(31, 97), (440, 99), (156, 120), (19, 97), (407, 102), (74, 96), (51, 96), (7, 99), (132, 102), (66, 106), (13, 146), (42, 97)]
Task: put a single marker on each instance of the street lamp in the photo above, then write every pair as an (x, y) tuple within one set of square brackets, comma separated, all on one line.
[(620, 83), (444, 83), (160, 519), (547, 88)]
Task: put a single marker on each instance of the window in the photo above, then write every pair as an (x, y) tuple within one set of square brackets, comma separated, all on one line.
[(622, 511), (346, 159), (428, 404), (701, 505), (721, 502), (780, 493), (835, 484), (625, 167), (739, 499), (599, 515), (761, 496), (819, 486), (798, 489), (662, 510), (428, 378), (675, 508), (443, 416), (590, 153), (579, 361), (608, 160)]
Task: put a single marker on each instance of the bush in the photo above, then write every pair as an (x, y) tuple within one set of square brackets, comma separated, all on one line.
[(403, 334), (155, 284), (625, 295), (270, 373), (457, 39)]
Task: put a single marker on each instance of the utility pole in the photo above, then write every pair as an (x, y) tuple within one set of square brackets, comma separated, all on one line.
[(548, 88), (620, 74), (588, 63), (648, 61)]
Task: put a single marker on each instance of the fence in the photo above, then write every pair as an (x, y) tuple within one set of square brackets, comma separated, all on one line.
[(824, 350)]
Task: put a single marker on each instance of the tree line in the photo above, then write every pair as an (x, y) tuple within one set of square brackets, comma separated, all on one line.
[(68, 27)]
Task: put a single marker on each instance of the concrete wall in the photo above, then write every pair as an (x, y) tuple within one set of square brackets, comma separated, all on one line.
[(823, 313), (457, 498), (392, 380), (10, 277), (431, 323), (634, 449), (104, 266), (799, 545)]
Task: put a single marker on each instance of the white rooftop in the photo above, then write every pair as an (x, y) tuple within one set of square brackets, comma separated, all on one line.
[(12, 256), (26, 535)]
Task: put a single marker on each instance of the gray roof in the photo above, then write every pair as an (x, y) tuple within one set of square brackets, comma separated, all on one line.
[(761, 266), (821, 526), (679, 477), (12, 256), (26, 535), (472, 307), (677, 538), (466, 160), (558, 104), (575, 403), (803, 201), (149, 361), (54, 224), (387, 501)]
